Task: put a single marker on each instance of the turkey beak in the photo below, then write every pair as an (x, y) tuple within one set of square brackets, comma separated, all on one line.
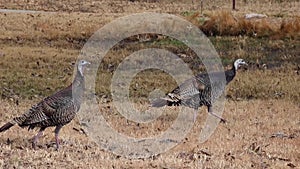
[(87, 64), (244, 65)]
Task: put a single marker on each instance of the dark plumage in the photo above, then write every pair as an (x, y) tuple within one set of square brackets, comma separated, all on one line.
[(198, 91), (55, 110)]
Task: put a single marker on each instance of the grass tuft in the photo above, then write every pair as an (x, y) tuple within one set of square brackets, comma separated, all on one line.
[(224, 23), (290, 28)]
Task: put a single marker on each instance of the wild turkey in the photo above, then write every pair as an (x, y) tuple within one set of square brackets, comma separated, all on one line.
[(197, 91), (55, 110)]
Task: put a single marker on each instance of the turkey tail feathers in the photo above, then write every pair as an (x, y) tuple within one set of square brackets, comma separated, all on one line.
[(6, 126), (160, 102)]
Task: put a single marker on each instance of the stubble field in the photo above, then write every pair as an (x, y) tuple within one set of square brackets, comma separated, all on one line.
[(38, 52)]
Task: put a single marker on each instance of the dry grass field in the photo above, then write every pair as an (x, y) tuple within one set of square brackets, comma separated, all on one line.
[(38, 52), (259, 134)]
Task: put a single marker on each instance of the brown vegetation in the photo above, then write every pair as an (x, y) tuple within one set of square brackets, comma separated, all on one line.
[(224, 23), (38, 52), (259, 134)]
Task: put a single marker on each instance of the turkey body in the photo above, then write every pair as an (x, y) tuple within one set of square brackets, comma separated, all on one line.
[(56, 110), (199, 91)]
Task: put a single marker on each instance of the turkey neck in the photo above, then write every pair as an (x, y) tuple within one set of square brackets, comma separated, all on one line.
[(230, 74), (78, 87)]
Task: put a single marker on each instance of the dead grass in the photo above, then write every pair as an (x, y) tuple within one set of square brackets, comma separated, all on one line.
[(38, 51), (28, 72), (246, 141), (290, 28), (22, 74), (51, 29), (79, 26), (270, 7), (224, 23), (265, 84), (259, 134)]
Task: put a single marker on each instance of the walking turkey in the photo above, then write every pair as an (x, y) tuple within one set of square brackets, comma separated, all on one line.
[(56, 110), (198, 91)]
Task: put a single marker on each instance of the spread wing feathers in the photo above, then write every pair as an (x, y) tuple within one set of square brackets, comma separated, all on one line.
[(188, 90)]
